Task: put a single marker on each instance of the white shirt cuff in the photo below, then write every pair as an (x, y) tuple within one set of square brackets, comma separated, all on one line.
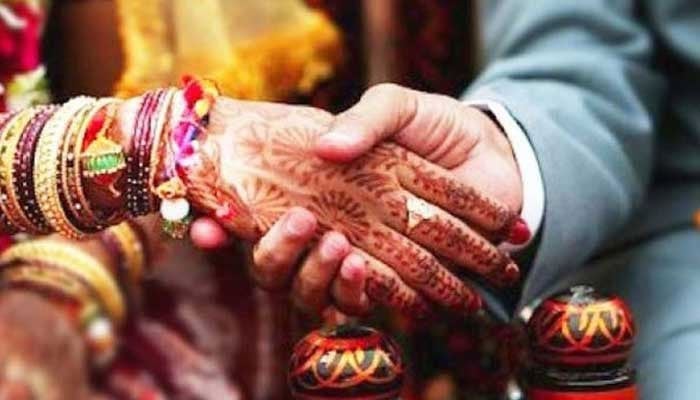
[(533, 188)]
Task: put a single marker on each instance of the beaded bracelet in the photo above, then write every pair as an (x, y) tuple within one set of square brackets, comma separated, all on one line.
[(8, 196), (46, 167), (138, 173), (22, 177)]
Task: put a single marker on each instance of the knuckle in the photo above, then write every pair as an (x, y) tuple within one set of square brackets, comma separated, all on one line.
[(265, 279), (309, 296), (265, 258), (386, 89), (311, 286), (307, 306), (353, 308)]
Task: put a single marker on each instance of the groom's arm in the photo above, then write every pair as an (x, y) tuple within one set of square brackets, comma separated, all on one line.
[(577, 77)]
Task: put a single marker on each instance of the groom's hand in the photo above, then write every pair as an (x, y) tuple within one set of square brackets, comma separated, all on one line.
[(438, 128)]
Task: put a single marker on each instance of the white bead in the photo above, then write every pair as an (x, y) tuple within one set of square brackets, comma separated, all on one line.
[(99, 329), (175, 209)]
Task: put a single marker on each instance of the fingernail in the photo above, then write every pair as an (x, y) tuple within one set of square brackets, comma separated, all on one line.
[(338, 139), (353, 269), (512, 273), (475, 304), (519, 233), (334, 247), (299, 225)]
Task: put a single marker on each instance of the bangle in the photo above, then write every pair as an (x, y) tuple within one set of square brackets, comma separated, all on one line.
[(75, 262), (68, 292), (103, 158), (175, 209), (22, 177), (10, 139), (78, 152), (159, 142), (138, 193), (126, 242), (49, 280), (6, 226), (46, 167), (72, 188)]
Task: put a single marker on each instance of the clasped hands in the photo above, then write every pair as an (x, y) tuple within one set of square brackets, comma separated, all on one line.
[(385, 203)]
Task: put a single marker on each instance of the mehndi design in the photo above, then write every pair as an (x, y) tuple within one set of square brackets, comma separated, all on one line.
[(258, 161)]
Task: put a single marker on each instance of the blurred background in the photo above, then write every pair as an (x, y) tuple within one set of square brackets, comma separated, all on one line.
[(323, 52)]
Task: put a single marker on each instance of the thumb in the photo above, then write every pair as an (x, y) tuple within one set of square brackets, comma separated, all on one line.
[(383, 110)]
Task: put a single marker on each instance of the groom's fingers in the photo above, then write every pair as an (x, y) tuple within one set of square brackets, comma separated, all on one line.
[(383, 111), (277, 253), (436, 127)]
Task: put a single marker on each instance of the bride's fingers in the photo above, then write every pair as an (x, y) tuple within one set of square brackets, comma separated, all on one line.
[(449, 237), (420, 269), (206, 233), (436, 185), (349, 286), (310, 289), (278, 251), (384, 286)]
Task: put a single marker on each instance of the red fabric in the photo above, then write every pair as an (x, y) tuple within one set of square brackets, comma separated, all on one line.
[(20, 49), (629, 393)]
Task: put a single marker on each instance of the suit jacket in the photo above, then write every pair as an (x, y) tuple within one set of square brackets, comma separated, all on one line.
[(608, 92)]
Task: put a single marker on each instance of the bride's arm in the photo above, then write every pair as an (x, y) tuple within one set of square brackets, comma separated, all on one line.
[(93, 163)]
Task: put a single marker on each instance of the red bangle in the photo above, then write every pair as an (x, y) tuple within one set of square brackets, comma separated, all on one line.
[(138, 193), (22, 176)]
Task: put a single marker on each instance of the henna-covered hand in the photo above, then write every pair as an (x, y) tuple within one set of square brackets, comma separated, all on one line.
[(258, 162)]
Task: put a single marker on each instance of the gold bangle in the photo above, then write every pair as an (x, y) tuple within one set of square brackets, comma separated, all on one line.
[(159, 140), (132, 250), (70, 186), (6, 225), (77, 262), (46, 167), (8, 196), (73, 179), (47, 280)]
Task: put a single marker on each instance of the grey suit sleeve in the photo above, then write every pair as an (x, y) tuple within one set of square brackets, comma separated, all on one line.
[(578, 77)]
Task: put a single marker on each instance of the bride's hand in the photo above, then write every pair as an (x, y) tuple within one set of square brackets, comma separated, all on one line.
[(257, 168)]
